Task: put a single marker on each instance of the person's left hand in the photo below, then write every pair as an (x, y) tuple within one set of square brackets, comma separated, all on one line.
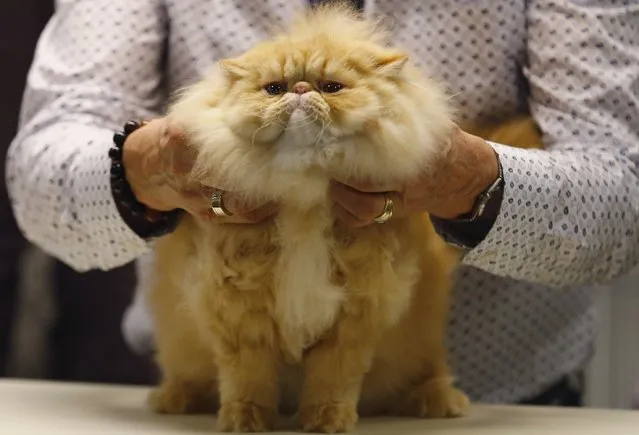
[(450, 190)]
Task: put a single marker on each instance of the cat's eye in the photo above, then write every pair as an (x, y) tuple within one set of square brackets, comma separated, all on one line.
[(329, 87), (275, 88)]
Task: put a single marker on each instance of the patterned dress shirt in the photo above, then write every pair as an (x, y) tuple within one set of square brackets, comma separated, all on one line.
[(523, 309)]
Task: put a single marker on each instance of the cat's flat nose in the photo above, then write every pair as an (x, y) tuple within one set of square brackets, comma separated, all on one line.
[(301, 88)]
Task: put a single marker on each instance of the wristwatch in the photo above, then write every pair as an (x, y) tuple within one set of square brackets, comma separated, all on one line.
[(484, 198), (467, 231)]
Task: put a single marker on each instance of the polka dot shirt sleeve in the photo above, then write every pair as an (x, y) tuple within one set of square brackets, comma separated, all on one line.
[(570, 215), (96, 66)]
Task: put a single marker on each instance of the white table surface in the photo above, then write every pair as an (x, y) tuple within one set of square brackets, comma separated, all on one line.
[(33, 408)]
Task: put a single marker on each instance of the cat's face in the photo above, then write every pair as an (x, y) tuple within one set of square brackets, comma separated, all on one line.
[(308, 91), (328, 94)]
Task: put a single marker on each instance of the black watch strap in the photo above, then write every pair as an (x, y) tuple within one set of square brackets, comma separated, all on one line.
[(484, 198), (469, 230), (467, 234)]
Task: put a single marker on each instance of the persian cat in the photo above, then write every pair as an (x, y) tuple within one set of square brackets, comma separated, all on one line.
[(300, 313), (519, 131)]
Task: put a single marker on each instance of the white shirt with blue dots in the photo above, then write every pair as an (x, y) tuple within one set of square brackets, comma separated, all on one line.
[(521, 318)]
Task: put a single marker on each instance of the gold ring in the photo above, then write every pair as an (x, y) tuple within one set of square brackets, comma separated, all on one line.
[(388, 211), (217, 205)]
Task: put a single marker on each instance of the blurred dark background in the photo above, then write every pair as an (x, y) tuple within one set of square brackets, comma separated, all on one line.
[(79, 338)]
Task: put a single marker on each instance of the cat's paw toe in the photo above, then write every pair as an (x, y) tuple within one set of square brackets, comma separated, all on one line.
[(174, 398), (328, 418), (246, 417), (436, 402), (168, 401)]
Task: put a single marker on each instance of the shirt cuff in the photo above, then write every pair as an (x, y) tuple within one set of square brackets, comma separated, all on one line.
[(518, 234), (109, 240)]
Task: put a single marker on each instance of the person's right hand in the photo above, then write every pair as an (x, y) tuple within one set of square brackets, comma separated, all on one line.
[(157, 162)]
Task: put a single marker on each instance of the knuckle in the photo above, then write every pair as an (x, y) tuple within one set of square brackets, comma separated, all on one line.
[(370, 207), (252, 216), (346, 218), (199, 213), (180, 165), (174, 131), (189, 195), (353, 222), (205, 216), (239, 207)]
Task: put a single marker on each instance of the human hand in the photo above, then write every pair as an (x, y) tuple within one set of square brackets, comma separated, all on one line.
[(447, 190), (158, 161)]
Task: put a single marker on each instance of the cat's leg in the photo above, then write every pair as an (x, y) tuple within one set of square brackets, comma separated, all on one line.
[(249, 388), (411, 374), (186, 362), (335, 368), (422, 333), (189, 374), (177, 395), (333, 373), (435, 396)]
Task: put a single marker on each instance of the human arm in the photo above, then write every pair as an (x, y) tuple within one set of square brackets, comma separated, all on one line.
[(97, 64), (568, 215)]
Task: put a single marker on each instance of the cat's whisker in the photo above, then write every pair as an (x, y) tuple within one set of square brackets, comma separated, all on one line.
[(305, 124), (267, 125), (416, 85), (320, 134), (449, 97), (311, 119), (452, 96)]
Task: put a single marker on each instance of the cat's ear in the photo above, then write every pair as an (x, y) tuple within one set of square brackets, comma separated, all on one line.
[(390, 63), (233, 68)]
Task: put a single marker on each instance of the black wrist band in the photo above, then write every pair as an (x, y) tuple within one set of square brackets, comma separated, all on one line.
[(145, 222)]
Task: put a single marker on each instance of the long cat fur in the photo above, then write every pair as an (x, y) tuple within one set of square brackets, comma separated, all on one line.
[(301, 312)]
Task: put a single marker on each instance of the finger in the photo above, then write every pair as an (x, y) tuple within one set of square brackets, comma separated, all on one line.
[(201, 197), (347, 218), (178, 156), (207, 214), (369, 186), (240, 211), (251, 217), (261, 213), (364, 206), (235, 219), (248, 210)]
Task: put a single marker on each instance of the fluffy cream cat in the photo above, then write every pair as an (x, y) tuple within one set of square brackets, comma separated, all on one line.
[(301, 312)]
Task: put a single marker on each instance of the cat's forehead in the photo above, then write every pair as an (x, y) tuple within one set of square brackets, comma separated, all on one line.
[(306, 59)]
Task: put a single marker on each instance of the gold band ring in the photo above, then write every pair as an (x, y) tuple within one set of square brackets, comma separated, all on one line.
[(217, 205), (388, 211)]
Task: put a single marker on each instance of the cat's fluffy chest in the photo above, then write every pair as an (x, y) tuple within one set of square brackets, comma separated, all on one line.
[(294, 268)]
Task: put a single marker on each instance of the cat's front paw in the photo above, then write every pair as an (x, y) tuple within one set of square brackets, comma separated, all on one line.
[(246, 417), (328, 418), (437, 401), (180, 398)]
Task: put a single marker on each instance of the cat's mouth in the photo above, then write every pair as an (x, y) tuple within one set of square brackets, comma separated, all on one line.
[(303, 122), (299, 118), (306, 111), (295, 122)]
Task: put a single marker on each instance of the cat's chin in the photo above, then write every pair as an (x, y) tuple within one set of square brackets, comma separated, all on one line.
[(300, 118), (301, 145)]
